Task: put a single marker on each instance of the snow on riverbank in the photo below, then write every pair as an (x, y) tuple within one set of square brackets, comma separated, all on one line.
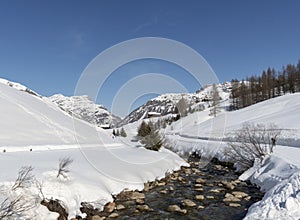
[(281, 181), (96, 173), (278, 176)]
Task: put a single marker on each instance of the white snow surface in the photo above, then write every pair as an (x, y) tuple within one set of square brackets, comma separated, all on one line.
[(281, 181), (35, 132), (283, 111)]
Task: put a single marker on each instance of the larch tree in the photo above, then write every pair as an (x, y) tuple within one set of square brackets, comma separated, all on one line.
[(215, 101)]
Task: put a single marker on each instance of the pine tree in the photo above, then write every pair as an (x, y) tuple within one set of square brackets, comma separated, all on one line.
[(291, 74), (149, 136), (215, 101), (153, 141), (265, 87), (123, 133), (298, 77), (143, 130), (270, 83), (117, 132), (182, 106), (234, 94), (164, 124)]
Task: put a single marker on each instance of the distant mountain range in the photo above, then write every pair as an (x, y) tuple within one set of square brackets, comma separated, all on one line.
[(83, 108), (167, 104)]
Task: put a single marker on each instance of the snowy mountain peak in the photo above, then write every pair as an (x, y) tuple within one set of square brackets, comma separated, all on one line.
[(166, 104), (84, 108)]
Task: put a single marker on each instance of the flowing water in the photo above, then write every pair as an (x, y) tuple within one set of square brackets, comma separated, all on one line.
[(217, 181)]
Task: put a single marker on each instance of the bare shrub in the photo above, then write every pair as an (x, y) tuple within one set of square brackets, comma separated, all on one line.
[(64, 167), (251, 142), (25, 178), (14, 207), (14, 204)]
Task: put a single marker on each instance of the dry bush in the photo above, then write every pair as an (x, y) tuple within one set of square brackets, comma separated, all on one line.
[(251, 142), (14, 204), (64, 167)]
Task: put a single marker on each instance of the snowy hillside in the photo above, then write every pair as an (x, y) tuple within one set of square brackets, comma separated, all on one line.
[(166, 104), (278, 175), (83, 108), (284, 111), (29, 120), (18, 86), (35, 132)]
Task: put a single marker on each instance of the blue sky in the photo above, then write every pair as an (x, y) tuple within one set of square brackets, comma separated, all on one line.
[(47, 44)]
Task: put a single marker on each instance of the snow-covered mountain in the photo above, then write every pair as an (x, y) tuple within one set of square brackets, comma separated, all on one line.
[(167, 104), (80, 107), (28, 119), (83, 108)]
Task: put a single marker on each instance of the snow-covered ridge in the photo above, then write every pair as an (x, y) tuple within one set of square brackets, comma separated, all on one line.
[(165, 104), (83, 108), (19, 87)]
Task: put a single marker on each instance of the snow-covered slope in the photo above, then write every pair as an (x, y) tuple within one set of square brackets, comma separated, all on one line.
[(36, 132), (166, 104), (30, 120), (83, 108), (284, 111), (18, 86)]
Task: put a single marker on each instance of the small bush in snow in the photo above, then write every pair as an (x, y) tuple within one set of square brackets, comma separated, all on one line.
[(251, 142), (149, 136), (64, 167), (25, 178), (123, 132), (15, 201)]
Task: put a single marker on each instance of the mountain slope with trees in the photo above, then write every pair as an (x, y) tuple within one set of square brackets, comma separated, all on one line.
[(269, 84)]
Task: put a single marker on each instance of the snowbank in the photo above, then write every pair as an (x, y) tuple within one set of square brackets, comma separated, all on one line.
[(96, 173), (281, 181)]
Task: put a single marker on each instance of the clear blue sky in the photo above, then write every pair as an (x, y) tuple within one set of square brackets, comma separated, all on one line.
[(47, 44)]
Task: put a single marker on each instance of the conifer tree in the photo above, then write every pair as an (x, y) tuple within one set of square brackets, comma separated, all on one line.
[(215, 101), (149, 136), (123, 133), (144, 129), (117, 132)]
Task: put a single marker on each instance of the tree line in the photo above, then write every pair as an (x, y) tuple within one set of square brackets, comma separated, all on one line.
[(269, 84)]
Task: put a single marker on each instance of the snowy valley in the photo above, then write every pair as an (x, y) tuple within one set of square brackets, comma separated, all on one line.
[(39, 131)]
